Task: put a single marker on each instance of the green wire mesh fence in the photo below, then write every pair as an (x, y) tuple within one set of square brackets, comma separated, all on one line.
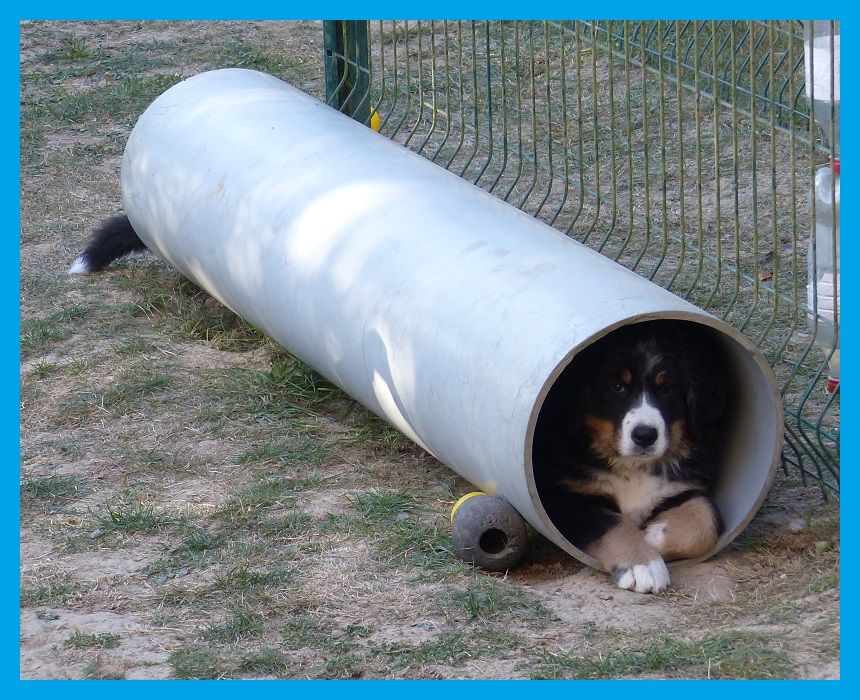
[(696, 153)]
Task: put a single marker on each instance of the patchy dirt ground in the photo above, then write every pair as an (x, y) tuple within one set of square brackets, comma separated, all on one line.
[(197, 504)]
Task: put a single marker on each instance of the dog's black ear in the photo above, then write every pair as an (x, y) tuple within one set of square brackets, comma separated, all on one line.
[(583, 379), (561, 416), (572, 393), (705, 406), (576, 418), (708, 391)]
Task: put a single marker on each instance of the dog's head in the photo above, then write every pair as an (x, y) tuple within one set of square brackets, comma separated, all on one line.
[(643, 398)]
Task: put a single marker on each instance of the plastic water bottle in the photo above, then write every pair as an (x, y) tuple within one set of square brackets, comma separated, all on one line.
[(821, 57), (822, 289)]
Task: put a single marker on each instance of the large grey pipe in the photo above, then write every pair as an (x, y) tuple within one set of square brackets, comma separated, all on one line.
[(442, 309)]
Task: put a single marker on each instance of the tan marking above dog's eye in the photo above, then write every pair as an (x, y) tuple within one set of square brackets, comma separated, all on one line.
[(626, 376), (661, 378)]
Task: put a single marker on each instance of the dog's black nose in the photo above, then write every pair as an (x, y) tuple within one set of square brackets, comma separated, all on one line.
[(644, 435)]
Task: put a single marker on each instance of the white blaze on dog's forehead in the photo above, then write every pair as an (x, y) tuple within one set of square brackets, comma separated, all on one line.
[(653, 362), (644, 414)]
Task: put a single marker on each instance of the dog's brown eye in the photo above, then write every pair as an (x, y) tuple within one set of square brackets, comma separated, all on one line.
[(618, 388)]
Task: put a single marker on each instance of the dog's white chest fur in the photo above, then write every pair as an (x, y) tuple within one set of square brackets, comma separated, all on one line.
[(638, 491)]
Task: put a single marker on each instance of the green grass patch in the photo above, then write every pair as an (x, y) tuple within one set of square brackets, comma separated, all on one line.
[(77, 57), (197, 551), (452, 647), (61, 592), (375, 435), (122, 101), (342, 652), (132, 387), (415, 544), (401, 531), (244, 588), (132, 515), (81, 640), (252, 503), (263, 662), (343, 666), (239, 623), (197, 662), (292, 524), (449, 648), (72, 49), (193, 311), (133, 390), (45, 370), (200, 540), (248, 580), (730, 655), (160, 460), (489, 598), (97, 670), (825, 583), (266, 397), (306, 630), (247, 55), (53, 493), (383, 507), (39, 334), (135, 346), (80, 365), (223, 329), (303, 449), (783, 611), (301, 382)]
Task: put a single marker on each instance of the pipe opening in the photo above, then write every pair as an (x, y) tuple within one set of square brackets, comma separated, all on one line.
[(493, 541), (648, 413)]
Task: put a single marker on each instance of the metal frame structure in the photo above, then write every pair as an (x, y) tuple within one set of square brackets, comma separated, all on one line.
[(684, 150)]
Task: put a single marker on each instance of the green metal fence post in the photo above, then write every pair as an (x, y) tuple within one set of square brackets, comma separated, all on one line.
[(347, 67)]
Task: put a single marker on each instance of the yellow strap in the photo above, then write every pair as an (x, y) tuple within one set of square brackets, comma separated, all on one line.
[(462, 500)]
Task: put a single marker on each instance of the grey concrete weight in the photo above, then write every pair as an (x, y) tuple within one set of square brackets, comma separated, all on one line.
[(488, 532)]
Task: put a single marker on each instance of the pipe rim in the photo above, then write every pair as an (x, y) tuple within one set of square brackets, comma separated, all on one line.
[(766, 375)]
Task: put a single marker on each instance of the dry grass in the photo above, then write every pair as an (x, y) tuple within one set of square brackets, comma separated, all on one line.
[(196, 504)]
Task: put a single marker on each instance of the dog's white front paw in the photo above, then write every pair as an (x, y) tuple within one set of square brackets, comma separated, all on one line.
[(652, 577)]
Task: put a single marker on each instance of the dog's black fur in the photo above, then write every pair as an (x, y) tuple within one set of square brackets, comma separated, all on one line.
[(588, 486), (111, 240)]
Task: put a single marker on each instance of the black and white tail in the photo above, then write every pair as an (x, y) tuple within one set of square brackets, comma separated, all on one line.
[(111, 240)]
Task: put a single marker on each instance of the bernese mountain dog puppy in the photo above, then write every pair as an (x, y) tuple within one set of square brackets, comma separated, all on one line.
[(627, 446)]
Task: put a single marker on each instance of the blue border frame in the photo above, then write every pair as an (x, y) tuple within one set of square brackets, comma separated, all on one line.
[(9, 674)]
